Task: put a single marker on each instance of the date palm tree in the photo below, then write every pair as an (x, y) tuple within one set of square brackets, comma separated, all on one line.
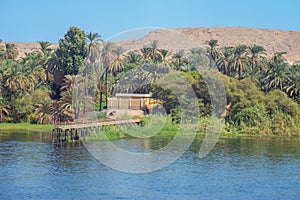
[(133, 57), (154, 53), (179, 59), (15, 78), (278, 77), (4, 108), (166, 57), (106, 58), (294, 88), (223, 63), (11, 51), (43, 112), (213, 52), (93, 41), (257, 54), (240, 60), (117, 64), (45, 47)]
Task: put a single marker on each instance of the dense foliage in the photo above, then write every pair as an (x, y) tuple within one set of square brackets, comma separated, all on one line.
[(263, 92)]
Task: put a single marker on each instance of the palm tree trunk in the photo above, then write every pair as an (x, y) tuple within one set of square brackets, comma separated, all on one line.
[(100, 101), (106, 87), (298, 96)]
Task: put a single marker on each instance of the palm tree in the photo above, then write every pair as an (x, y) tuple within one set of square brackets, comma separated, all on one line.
[(72, 95), (166, 57), (257, 53), (117, 64), (11, 51), (277, 77), (45, 47), (239, 60), (106, 58), (93, 41), (2, 53), (154, 53), (4, 108), (224, 61), (257, 63), (294, 88), (133, 57), (15, 77), (213, 52), (145, 51), (278, 57), (179, 60), (43, 112)]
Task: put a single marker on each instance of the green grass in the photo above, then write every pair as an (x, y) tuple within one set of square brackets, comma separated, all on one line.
[(150, 123), (26, 127)]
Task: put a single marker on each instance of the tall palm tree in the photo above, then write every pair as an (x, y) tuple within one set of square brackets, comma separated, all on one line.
[(257, 54), (117, 64), (257, 63), (145, 51), (223, 63), (133, 57), (106, 58), (179, 59), (45, 47), (166, 57), (239, 60), (213, 52), (277, 57), (11, 51), (154, 52), (277, 77), (93, 41), (2, 53), (72, 95)]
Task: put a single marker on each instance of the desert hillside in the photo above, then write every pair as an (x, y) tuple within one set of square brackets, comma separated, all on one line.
[(187, 38)]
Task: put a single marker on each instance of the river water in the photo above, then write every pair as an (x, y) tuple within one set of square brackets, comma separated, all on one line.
[(237, 168)]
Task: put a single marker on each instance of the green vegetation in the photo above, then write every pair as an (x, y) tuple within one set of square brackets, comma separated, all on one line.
[(26, 127), (263, 93)]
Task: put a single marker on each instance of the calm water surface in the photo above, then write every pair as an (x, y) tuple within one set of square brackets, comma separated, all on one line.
[(237, 168)]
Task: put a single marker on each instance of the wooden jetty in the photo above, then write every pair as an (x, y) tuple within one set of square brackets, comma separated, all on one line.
[(63, 133)]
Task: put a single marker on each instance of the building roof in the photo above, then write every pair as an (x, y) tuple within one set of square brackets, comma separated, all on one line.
[(133, 95)]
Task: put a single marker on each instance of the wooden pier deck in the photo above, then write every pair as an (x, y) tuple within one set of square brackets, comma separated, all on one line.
[(63, 133)]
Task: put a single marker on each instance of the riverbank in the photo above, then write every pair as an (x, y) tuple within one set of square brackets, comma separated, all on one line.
[(26, 127)]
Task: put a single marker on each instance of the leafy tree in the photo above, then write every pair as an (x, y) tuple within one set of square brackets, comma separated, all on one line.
[(70, 54)]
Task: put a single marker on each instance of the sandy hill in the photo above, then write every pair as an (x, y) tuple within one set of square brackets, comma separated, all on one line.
[(187, 38)]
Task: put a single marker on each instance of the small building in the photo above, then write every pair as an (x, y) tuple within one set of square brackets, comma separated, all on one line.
[(122, 101)]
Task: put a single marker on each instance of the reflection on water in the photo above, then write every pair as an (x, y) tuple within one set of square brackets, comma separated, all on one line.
[(237, 168)]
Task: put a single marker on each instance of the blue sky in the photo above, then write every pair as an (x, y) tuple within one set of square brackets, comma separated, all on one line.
[(36, 20)]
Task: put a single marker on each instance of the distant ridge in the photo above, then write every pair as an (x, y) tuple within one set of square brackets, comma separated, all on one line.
[(271, 40)]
